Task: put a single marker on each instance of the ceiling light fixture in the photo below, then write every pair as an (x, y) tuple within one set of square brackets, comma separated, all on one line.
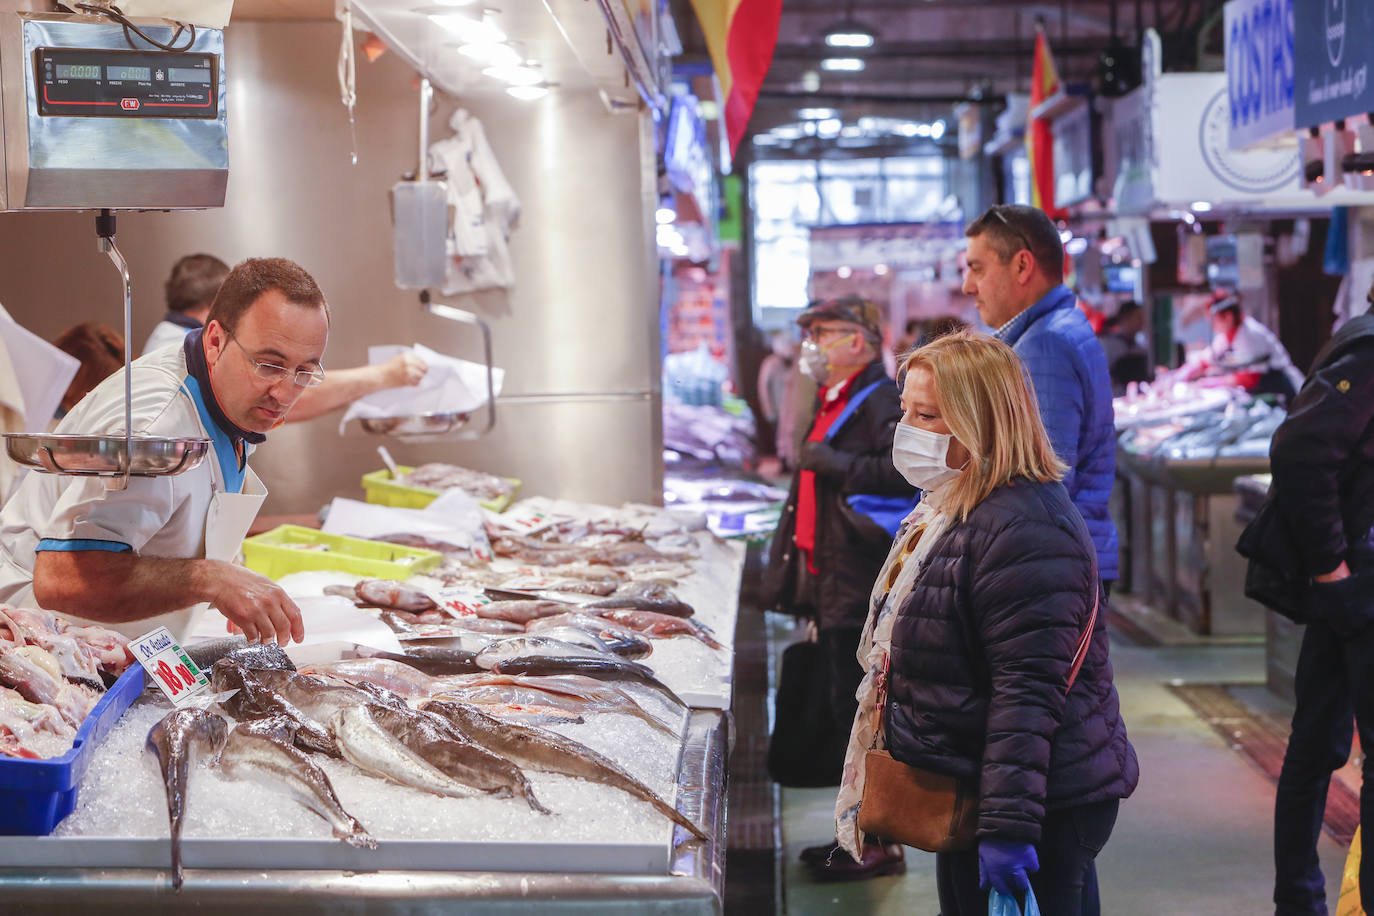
[(850, 34), (528, 93), (816, 114), (471, 31), (518, 75), (489, 54), (843, 64)]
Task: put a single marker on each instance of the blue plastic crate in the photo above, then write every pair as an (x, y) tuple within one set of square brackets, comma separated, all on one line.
[(36, 794)]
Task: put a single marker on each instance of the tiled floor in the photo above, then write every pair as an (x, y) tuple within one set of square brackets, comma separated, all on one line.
[(1194, 840)]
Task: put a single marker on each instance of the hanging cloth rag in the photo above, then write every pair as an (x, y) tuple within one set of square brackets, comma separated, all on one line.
[(485, 208)]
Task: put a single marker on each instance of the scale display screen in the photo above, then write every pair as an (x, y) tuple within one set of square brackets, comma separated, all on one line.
[(92, 82)]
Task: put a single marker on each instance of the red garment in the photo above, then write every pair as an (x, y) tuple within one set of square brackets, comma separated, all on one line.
[(804, 535)]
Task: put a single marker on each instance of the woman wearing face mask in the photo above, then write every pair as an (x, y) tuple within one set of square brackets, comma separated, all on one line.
[(986, 603)]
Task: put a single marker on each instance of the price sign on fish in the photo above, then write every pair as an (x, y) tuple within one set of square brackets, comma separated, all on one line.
[(169, 666)]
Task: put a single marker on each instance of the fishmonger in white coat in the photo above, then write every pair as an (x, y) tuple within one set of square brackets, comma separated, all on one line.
[(163, 548)]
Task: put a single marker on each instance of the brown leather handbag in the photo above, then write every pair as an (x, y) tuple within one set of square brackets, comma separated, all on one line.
[(926, 810)]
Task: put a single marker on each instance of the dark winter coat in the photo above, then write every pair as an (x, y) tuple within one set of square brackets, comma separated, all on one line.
[(850, 549), (1068, 368), (981, 652)]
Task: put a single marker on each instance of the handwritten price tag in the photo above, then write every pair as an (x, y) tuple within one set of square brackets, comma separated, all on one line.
[(460, 602), (169, 666), (522, 518)]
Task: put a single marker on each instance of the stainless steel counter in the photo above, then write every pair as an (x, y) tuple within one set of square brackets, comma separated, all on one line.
[(694, 886)]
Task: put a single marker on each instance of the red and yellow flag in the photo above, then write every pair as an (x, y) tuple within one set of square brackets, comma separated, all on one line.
[(1039, 132), (741, 35)]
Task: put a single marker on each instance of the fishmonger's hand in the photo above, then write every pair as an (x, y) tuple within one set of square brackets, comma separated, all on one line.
[(256, 605)]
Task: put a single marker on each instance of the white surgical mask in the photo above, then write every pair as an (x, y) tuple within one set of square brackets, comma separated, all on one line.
[(919, 455), (814, 361)]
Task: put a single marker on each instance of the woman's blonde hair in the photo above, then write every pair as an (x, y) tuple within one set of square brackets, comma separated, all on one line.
[(984, 396)]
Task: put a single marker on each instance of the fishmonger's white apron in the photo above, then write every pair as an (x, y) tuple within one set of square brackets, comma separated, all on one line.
[(226, 525)]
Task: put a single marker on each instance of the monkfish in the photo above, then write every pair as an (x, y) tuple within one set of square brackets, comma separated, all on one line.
[(181, 735)]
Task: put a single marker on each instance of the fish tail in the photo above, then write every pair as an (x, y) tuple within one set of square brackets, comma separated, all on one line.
[(356, 836), (532, 801)]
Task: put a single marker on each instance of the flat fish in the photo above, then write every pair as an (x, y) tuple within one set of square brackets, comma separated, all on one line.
[(178, 737), (389, 593), (549, 752), (672, 607), (612, 669), (535, 644), (366, 744), (251, 754), (660, 625), (450, 752), (622, 642), (521, 612)]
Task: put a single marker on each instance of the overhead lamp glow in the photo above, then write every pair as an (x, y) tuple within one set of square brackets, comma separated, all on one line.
[(844, 273), (937, 130), (528, 93), (787, 132), (843, 64), (816, 114), (490, 54), (880, 269), (1201, 206), (1076, 246), (471, 31), (454, 2), (829, 128), (848, 39), (518, 75), (810, 81), (664, 215)]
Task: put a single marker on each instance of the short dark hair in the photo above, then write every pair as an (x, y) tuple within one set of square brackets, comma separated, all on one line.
[(1010, 228), (252, 278), (194, 281)]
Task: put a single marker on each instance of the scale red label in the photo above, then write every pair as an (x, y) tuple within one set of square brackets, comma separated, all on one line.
[(129, 104)]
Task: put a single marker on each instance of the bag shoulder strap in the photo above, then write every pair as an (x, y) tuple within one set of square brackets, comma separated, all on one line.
[(853, 404), (1080, 653)]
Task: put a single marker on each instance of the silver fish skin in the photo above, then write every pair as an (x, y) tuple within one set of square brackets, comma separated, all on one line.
[(448, 751), (177, 738), (495, 695), (252, 756), (603, 669), (392, 594), (389, 674), (533, 645), (257, 700), (374, 750), (623, 642), (550, 752)]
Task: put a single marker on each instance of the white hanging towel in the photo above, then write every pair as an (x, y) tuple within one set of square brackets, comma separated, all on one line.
[(485, 208)]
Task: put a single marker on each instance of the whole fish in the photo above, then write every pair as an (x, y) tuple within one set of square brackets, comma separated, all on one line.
[(435, 741), (262, 656), (389, 593), (181, 735), (38, 678), (255, 699), (622, 642), (619, 643), (373, 749), (319, 698), (521, 612), (492, 690), (550, 752), (603, 669), (661, 625), (250, 754), (433, 660), (669, 606), (537, 644), (397, 676)]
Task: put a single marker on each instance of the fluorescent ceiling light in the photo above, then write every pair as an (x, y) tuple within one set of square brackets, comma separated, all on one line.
[(829, 128), (840, 39), (491, 54), (787, 132), (810, 81), (937, 130), (816, 114), (454, 2), (664, 215), (528, 93), (474, 31), (848, 64), (851, 131), (518, 75), (1201, 206)]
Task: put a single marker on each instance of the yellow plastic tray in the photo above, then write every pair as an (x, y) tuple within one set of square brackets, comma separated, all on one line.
[(280, 551), (383, 491)]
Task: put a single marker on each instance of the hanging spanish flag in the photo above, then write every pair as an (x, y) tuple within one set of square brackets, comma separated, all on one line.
[(741, 35), (1039, 132)]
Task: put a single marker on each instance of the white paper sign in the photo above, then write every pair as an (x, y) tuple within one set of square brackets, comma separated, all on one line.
[(169, 666), (450, 385), (524, 518), (42, 370)]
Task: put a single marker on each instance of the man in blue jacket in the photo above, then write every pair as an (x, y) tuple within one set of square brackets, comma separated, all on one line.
[(1016, 274)]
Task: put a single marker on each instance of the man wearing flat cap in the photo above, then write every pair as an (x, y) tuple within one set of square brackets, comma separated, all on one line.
[(826, 555)]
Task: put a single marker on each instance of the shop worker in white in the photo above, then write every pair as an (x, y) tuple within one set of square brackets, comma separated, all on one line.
[(190, 290), (160, 550)]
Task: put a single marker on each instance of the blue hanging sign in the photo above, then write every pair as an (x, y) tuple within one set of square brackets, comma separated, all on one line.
[(1334, 60), (1259, 69)]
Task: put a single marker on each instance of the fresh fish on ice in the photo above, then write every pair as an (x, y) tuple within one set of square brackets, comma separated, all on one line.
[(603, 669), (521, 611), (38, 678), (175, 740), (550, 752), (372, 749), (398, 596), (387, 673), (577, 695), (660, 625), (672, 607), (39, 628), (435, 661), (255, 699), (622, 642), (250, 754)]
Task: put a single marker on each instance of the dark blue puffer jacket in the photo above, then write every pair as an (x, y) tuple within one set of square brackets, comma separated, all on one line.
[(981, 652), (1069, 371)]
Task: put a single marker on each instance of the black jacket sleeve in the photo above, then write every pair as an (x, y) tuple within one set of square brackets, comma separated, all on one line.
[(874, 426), (1028, 616), (1310, 452)]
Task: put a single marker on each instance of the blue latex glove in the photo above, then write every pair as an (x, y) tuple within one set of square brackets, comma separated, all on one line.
[(1006, 865)]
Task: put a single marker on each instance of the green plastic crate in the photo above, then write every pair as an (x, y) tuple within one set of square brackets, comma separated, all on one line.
[(282, 551), (382, 490)]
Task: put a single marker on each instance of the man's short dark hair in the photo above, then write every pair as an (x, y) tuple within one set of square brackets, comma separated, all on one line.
[(1010, 228), (194, 281), (252, 278)]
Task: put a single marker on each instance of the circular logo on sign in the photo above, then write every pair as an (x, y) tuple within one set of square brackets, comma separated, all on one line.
[(1257, 171), (1335, 31)]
